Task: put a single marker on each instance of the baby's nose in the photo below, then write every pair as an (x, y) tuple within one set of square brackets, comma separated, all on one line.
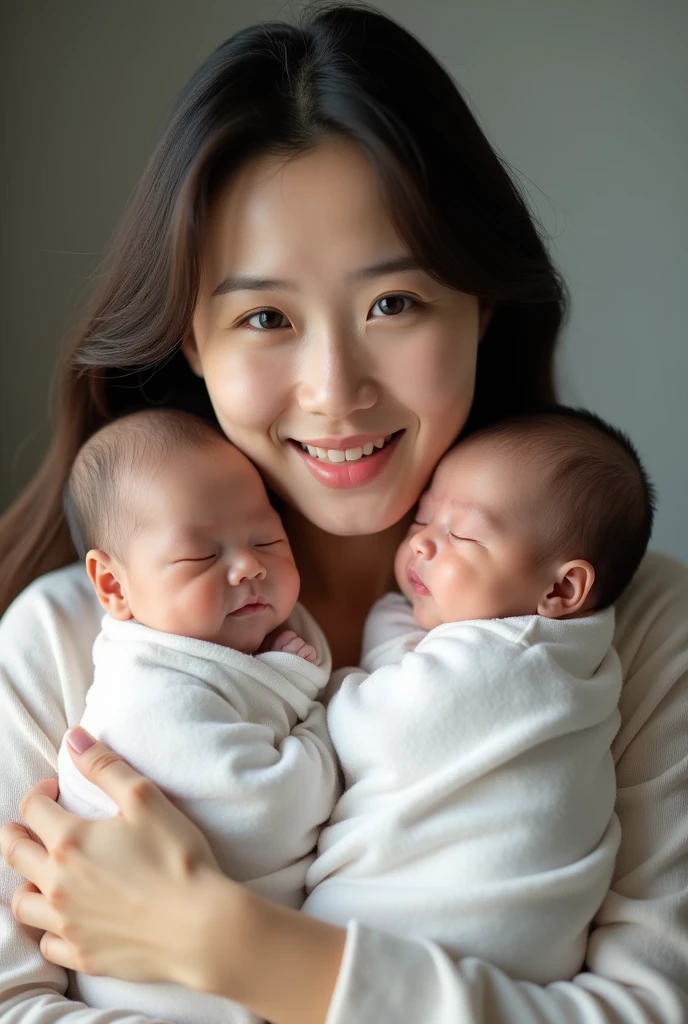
[(245, 566), (422, 543)]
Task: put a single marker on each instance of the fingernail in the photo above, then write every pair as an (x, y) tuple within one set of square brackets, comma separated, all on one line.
[(79, 740)]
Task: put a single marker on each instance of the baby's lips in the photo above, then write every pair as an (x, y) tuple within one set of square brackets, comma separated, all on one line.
[(250, 599)]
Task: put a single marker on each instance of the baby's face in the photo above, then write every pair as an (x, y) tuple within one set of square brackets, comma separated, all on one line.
[(468, 555), (212, 560)]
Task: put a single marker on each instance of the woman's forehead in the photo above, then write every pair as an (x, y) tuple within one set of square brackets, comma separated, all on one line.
[(279, 217)]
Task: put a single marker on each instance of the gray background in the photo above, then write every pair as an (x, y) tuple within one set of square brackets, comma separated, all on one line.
[(586, 99)]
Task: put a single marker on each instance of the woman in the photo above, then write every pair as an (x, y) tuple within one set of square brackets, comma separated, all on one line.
[(324, 251)]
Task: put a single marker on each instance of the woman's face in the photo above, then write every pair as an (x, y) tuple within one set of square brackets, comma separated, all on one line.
[(314, 328)]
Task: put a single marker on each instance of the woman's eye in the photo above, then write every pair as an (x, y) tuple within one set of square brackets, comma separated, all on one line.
[(392, 305), (266, 320)]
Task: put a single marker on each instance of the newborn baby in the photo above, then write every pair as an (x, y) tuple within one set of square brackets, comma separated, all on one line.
[(198, 683), (480, 788)]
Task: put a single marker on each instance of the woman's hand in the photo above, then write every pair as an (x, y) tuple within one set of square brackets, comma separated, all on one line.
[(140, 897), (122, 896)]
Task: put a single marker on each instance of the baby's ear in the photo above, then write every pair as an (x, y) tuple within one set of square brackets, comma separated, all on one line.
[(569, 592), (105, 575)]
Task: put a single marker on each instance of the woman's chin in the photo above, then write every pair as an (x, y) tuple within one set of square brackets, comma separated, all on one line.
[(363, 518)]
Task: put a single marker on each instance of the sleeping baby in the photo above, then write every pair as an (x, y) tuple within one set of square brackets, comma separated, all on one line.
[(478, 809), (207, 671)]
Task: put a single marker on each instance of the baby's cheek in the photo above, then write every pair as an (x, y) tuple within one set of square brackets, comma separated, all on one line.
[(204, 603), (285, 586), (401, 562)]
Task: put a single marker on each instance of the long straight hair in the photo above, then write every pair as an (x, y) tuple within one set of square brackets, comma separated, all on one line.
[(278, 88)]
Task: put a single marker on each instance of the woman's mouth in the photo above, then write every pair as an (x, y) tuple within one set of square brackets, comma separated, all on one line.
[(357, 464)]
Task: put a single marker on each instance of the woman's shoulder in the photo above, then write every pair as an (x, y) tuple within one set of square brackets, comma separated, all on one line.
[(64, 596), (651, 639), (46, 642), (653, 609)]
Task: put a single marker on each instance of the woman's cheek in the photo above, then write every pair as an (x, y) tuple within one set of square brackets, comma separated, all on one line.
[(436, 380), (248, 391)]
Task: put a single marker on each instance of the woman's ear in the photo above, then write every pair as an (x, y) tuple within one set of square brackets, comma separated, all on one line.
[(190, 353), (105, 575), (486, 308), (569, 592)]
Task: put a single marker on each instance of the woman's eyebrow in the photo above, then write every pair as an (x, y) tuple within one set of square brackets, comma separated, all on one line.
[(252, 283), (394, 265)]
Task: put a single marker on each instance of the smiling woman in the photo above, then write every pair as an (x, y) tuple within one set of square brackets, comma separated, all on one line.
[(326, 259), (305, 343)]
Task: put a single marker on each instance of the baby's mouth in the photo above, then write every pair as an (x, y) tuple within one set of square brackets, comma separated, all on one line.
[(252, 605), (416, 583)]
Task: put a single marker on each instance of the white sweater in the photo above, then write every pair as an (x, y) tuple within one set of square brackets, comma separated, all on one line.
[(239, 743), (480, 789), (637, 955)]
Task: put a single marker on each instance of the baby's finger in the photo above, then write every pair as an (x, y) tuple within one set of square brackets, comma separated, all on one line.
[(295, 646), (284, 638)]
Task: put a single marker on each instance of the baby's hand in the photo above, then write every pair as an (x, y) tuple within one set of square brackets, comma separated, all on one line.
[(290, 643)]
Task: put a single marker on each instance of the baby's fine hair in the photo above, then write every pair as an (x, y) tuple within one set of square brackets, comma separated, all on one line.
[(99, 496), (596, 501)]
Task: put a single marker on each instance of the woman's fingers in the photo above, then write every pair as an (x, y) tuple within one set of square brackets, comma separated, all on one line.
[(52, 824), (111, 773), (59, 952), (48, 788), (31, 908), (24, 855)]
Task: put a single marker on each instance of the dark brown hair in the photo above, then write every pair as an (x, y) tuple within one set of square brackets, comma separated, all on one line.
[(280, 88), (593, 498), (99, 499)]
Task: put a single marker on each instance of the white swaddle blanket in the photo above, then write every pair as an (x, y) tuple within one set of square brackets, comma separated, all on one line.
[(479, 787), (239, 743)]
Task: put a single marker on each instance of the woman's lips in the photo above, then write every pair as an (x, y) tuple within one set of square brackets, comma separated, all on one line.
[(349, 474), (417, 584)]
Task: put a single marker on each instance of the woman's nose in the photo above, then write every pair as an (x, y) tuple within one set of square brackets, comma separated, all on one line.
[(423, 544), (245, 567), (334, 381)]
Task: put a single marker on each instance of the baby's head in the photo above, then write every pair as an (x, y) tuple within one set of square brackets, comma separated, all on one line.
[(177, 531), (548, 513)]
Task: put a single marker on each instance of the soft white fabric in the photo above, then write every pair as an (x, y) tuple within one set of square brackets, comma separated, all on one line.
[(479, 803), (239, 743), (638, 949)]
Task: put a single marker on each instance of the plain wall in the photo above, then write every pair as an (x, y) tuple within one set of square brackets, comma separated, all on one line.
[(585, 99)]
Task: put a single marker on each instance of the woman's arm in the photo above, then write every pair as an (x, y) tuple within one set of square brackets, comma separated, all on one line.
[(45, 666), (166, 915), (638, 951)]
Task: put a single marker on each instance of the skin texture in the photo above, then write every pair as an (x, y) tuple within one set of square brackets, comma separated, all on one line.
[(331, 364), (470, 554), (208, 543)]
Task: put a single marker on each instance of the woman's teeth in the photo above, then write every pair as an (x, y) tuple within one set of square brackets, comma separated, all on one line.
[(345, 454)]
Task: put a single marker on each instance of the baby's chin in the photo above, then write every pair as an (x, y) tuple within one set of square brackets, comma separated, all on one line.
[(425, 617)]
